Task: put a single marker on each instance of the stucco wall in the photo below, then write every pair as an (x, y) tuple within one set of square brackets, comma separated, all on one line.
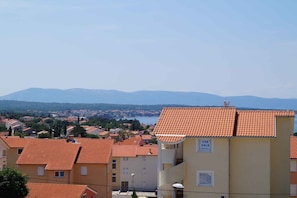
[(280, 157), (97, 178), (216, 161), (145, 172), (117, 185), (250, 167)]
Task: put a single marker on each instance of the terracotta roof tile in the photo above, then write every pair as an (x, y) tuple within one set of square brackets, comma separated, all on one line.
[(170, 139), (131, 141), (258, 123), (196, 121), (175, 124), (293, 147), (124, 150), (94, 150), (134, 150), (147, 150), (45, 190), (15, 141), (54, 154)]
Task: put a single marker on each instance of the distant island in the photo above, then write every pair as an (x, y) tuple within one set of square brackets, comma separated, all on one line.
[(142, 99)]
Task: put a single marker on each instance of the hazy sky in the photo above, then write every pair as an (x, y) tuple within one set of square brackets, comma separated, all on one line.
[(227, 48)]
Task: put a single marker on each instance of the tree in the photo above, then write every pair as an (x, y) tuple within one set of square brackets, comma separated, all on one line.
[(134, 195), (79, 131), (10, 131), (13, 184)]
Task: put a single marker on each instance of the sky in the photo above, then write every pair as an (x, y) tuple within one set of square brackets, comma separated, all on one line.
[(227, 48)]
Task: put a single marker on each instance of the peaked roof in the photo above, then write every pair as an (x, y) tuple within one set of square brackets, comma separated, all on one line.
[(96, 151), (45, 190), (54, 154), (293, 147), (175, 124), (15, 141)]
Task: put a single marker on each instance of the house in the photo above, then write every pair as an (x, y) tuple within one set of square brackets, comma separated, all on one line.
[(104, 134), (48, 190), (224, 152), (92, 130), (15, 125), (10, 149), (93, 165), (293, 166), (79, 161), (134, 166)]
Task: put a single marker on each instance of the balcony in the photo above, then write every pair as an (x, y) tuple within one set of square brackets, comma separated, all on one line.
[(168, 156), (173, 174)]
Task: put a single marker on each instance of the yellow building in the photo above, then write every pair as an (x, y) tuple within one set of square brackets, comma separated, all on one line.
[(83, 161), (223, 152), (11, 148)]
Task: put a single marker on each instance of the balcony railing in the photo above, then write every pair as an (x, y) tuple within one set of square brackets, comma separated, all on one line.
[(168, 156)]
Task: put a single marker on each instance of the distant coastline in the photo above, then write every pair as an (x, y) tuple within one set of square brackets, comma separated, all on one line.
[(146, 119)]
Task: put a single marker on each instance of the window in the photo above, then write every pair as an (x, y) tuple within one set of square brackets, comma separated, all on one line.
[(40, 171), (20, 151), (204, 145), (205, 178), (59, 174), (114, 177), (293, 166), (143, 158), (114, 164), (125, 158), (293, 190), (4, 153), (83, 170), (125, 171)]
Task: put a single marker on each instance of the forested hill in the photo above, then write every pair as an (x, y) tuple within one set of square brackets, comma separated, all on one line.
[(92, 97)]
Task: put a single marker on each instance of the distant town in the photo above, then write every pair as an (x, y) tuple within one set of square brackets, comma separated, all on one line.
[(188, 151)]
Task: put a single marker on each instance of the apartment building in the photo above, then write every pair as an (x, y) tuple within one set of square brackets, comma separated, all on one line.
[(46, 190), (134, 166), (11, 148), (224, 152), (77, 161), (293, 166)]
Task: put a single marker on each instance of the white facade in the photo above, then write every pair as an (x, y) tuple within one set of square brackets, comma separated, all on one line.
[(140, 172)]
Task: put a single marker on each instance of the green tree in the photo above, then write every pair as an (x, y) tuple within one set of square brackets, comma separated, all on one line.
[(134, 195), (10, 131), (79, 131), (2, 127), (13, 184)]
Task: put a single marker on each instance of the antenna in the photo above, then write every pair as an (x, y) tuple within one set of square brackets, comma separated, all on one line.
[(226, 103)]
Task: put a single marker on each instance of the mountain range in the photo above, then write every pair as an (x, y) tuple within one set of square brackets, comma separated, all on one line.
[(94, 96)]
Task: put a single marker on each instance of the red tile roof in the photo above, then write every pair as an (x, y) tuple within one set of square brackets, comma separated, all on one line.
[(46, 190), (147, 150), (54, 154), (175, 124), (136, 140), (134, 150), (124, 150), (192, 122), (96, 151), (15, 141), (293, 147)]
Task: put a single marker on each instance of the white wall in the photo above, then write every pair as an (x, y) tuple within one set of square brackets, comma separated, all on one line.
[(145, 172)]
